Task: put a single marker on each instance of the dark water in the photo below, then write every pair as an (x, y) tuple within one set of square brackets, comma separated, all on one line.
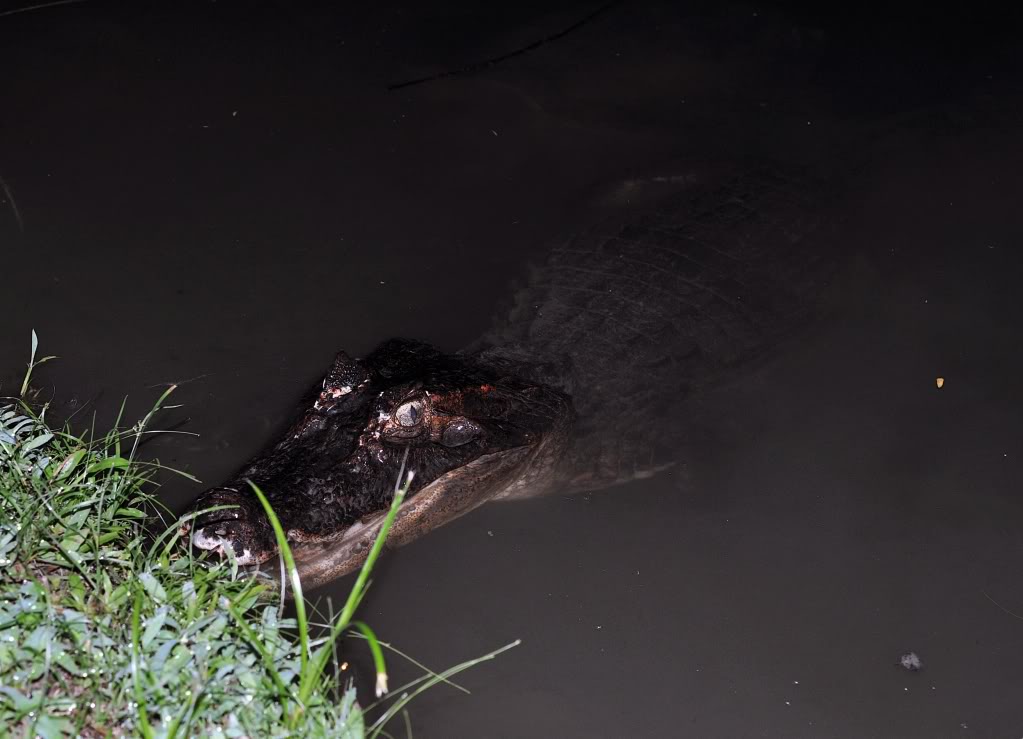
[(223, 196)]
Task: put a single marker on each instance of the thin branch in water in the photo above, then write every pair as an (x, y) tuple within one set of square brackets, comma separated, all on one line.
[(477, 66), (179, 382), (1000, 606), (40, 6), (10, 199), (172, 429)]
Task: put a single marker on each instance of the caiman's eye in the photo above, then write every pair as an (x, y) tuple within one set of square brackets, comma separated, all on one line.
[(409, 414), (459, 432)]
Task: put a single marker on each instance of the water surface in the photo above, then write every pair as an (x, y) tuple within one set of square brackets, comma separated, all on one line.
[(223, 196)]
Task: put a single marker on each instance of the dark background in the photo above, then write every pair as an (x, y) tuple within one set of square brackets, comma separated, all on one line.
[(224, 195)]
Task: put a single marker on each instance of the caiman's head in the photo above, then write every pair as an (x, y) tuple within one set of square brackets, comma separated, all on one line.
[(471, 431)]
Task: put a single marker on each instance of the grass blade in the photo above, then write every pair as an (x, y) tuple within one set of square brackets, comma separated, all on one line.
[(378, 657), (358, 590), (140, 696), (397, 706)]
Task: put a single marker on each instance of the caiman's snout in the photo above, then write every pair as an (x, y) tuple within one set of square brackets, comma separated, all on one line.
[(239, 528)]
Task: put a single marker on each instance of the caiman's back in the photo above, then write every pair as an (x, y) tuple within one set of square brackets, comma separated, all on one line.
[(638, 313)]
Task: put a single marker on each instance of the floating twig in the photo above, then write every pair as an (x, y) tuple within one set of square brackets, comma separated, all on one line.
[(14, 205), (1000, 606), (475, 67), (40, 6)]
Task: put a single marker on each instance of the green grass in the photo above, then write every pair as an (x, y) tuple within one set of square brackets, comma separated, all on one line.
[(110, 627)]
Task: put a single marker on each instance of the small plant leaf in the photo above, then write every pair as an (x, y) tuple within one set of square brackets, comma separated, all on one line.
[(37, 442), (68, 465), (153, 587), (115, 462), (153, 626)]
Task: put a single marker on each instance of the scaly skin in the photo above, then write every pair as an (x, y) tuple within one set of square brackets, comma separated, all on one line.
[(576, 389)]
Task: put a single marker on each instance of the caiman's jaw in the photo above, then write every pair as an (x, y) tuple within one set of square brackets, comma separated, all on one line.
[(470, 433), (322, 557), (236, 529), (319, 561), (219, 543)]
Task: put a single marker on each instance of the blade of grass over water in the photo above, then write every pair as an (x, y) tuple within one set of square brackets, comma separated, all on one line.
[(361, 582), (289, 566), (32, 364), (427, 673), (404, 700), (378, 657)]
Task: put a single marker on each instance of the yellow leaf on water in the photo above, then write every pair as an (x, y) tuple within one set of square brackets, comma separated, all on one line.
[(940, 382)]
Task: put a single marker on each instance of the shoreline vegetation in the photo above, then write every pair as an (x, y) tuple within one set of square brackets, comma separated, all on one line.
[(109, 626)]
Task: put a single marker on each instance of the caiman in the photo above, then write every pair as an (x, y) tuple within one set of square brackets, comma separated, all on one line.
[(578, 387)]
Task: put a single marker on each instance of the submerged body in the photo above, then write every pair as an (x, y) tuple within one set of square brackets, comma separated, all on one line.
[(578, 388)]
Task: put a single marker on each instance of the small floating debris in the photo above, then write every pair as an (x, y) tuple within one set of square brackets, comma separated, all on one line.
[(939, 382), (910, 661)]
